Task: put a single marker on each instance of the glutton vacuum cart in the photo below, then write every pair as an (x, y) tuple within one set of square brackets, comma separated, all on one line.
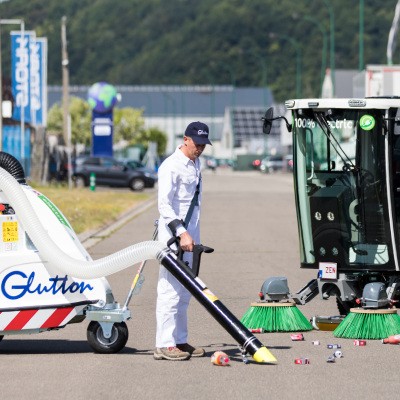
[(346, 156), (48, 280)]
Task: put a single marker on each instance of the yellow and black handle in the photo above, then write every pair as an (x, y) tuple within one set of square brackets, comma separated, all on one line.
[(214, 306)]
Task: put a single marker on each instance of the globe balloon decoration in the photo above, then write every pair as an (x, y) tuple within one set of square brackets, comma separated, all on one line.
[(102, 97)]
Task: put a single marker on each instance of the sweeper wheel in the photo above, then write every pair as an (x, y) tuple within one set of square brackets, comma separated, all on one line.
[(344, 306), (103, 345)]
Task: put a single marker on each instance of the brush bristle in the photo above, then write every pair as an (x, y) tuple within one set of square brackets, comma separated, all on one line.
[(276, 319), (368, 326)]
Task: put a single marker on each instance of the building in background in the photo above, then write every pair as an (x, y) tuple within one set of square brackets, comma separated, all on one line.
[(233, 114)]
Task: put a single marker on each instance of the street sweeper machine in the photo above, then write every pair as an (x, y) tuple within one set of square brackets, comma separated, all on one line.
[(347, 194)]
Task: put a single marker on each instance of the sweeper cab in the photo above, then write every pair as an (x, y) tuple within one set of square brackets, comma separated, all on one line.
[(346, 155)]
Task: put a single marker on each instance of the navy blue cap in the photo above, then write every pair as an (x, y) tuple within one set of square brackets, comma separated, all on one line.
[(198, 131)]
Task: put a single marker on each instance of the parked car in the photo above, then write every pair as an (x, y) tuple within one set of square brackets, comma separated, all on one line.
[(138, 166), (276, 163), (110, 172), (209, 162)]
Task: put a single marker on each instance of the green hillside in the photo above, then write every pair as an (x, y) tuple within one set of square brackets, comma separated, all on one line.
[(241, 42)]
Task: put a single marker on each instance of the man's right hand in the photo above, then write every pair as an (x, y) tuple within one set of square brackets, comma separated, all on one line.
[(186, 241)]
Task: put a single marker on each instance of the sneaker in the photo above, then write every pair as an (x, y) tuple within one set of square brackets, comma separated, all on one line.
[(193, 351), (170, 353)]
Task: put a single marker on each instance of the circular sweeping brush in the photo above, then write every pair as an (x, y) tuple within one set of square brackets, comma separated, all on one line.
[(369, 324), (275, 317)]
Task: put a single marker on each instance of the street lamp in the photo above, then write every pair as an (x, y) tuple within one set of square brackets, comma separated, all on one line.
[(361, 38), (332, 40), (297, 47), (264, 86), (263, 72), (167, 97), (211, 80), (22, 28), (229, 69), (324, 42)]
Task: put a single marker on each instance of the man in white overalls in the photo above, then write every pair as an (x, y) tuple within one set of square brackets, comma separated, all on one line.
[(178, 179)]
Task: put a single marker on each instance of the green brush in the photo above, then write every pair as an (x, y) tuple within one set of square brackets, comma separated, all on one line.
[(369, 324), (275, 317)]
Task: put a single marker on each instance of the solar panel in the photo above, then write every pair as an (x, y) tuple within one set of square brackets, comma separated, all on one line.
[(247, 123)]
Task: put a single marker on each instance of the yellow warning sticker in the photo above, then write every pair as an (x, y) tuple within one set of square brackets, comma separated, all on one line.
[(10, 231), (210, 295)]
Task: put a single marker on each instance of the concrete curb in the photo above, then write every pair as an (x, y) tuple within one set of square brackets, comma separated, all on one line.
[(90, 238)]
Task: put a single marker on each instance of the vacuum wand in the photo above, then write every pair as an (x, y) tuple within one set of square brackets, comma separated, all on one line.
[(214, 306), (138, 279)]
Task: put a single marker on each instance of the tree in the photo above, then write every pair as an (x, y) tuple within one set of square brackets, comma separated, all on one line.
[(80, 121), (152, 135), (128, 125)]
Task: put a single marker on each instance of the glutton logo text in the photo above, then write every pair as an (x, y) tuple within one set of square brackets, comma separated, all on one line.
[(17, 284)]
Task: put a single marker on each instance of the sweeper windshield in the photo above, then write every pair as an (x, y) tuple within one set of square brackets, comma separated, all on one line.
[(347, 182)]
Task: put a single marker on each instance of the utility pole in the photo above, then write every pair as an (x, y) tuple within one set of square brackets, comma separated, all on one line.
[(65, 77)]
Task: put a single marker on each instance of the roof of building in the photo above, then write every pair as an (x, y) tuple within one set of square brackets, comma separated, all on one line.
[(178, 100)]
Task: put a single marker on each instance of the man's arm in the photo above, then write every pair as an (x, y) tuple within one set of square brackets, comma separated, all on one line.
[(167, 186)]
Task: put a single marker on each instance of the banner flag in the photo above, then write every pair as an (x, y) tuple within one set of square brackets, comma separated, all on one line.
[(20, 73), (38, 81)]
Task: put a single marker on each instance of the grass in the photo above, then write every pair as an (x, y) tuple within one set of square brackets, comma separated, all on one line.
[(86, 209)]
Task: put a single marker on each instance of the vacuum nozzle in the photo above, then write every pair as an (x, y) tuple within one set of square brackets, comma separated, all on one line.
[(263, 355)]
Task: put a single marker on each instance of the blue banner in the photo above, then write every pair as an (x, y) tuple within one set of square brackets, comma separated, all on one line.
[(38, 81), (12, 144), (20, 73), (102, 134)]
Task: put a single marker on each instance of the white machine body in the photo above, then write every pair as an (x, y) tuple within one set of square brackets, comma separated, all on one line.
[(35, 296)]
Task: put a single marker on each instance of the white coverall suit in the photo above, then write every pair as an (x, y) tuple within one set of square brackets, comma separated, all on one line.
[(177, 180)]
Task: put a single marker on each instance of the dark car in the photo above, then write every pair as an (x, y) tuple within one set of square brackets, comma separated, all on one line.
[(138, 166), (110, 172)]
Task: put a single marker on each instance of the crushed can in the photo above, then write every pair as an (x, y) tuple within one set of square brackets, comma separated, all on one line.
[(257, 330), (296, 337), (360, 343), (302, 361)]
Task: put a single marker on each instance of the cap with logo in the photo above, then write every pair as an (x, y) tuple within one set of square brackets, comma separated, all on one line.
[(198, 131)]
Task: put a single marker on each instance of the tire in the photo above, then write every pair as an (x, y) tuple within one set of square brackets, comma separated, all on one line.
[(80, 181), (136, 184), (344, 306), (102, 345)]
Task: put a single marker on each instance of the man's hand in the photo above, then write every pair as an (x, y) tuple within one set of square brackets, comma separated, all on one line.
[(186, 242)]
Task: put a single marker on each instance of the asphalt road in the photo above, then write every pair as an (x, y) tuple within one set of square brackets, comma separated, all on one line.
[(250, 220)]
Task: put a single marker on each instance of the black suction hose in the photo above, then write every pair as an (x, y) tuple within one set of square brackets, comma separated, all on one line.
[(12, 166), (248, 342)]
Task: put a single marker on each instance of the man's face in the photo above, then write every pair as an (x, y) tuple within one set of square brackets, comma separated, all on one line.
[(193, 150)]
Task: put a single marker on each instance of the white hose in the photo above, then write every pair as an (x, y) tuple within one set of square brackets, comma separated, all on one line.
[(50, 252)]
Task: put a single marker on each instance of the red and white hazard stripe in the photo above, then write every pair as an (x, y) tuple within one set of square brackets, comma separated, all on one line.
[(37, 319)]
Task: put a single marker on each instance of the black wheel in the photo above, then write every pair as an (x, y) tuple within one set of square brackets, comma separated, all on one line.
[(113, 344), (1, 337), (344, 306), (136, 184)]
